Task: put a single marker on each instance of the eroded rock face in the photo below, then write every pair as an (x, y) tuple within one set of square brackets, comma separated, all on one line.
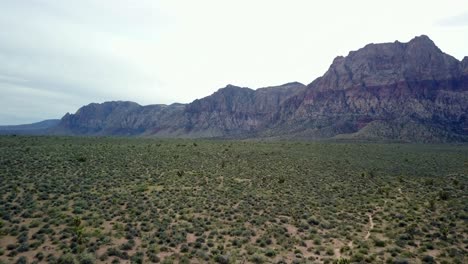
[(118, 118), (385, 82), (388, 63), (229, 111), (234, 110), (404, 91), (464, 64)]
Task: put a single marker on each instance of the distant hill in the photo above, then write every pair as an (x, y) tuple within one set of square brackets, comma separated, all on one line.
[(392, 91), (41, 127)]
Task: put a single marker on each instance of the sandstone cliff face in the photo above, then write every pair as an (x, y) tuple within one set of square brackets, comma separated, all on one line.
[(234, 110), (228, 112), (464, 67), (389, 63), (387, 82), (398, 91)]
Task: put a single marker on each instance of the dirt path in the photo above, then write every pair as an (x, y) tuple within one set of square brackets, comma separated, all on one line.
[(371, 219), (337, 253), (337, 245), (221, 183), (371, 226)]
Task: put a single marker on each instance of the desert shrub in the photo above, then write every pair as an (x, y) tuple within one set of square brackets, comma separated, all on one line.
[(23, 247), (117, 253), (128, 246), (313, 222), (270, 253), (257, 259), (222, 259), (379, 243), (137, 258), (22, 260), (153, 258), (85, 258), (40, 256), (444, 195), (358, 257), (67, 259), (11, 246), (34, 224), (184, 248), (184, 260), (429, 182), (317, 241), (428, 259), (51, 258), (341, 261)]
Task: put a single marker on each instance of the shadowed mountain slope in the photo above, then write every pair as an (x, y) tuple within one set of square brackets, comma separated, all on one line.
[(391, 91)]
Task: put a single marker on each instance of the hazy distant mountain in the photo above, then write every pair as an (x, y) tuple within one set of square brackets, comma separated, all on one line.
[(33, 129), (392, 91), (120, 118)]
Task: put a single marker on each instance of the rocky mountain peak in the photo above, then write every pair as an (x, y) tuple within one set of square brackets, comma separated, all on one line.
[(106, 108), (381, 64), (405, 91), (338, 60), (422, 40), (464, 65)]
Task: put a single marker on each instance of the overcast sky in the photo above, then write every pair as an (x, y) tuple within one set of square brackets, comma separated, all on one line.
[(57, 55)]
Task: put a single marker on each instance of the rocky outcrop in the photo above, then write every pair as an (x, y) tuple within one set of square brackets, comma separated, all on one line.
[(231, 111), (118, 118), (392, 91), (389, 63), (388, 83), (238, 111)]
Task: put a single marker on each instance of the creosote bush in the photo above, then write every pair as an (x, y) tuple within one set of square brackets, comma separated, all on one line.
[(120, 200)]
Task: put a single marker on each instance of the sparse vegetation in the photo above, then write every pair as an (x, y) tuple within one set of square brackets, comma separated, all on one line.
[(116, 200)]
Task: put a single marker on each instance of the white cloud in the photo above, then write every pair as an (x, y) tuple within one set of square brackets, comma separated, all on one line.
[(460, 20), (174, 50)]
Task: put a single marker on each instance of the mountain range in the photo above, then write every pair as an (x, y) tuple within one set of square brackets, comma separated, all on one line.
[(39, 128), (396, 91)]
